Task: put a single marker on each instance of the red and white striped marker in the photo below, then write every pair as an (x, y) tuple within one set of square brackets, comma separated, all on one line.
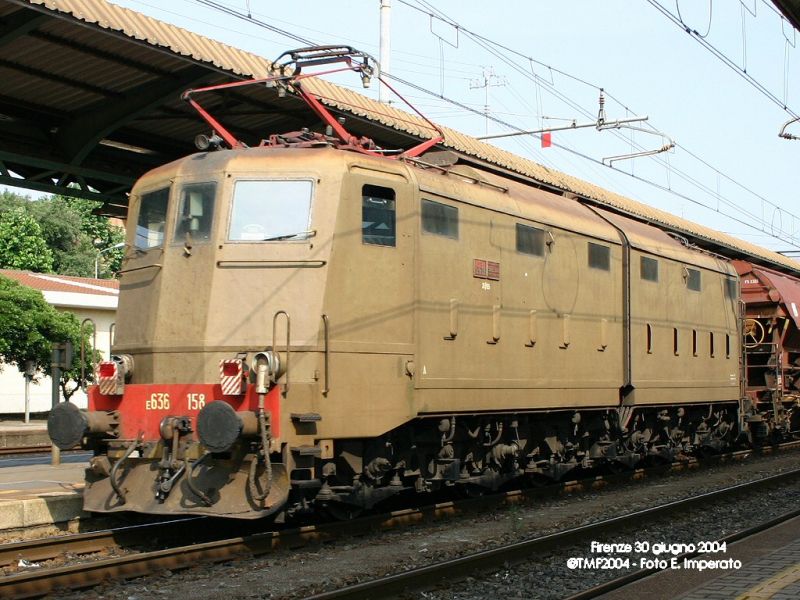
[(107, 377), (231, 376)]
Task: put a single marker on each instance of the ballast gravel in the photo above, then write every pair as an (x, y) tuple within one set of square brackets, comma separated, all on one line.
[(303, 572)]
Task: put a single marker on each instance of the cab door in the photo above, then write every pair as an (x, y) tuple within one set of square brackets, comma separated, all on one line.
[(369, 302)]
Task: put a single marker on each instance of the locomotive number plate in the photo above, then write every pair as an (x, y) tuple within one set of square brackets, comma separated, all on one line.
[(157, 401), (195, 401)]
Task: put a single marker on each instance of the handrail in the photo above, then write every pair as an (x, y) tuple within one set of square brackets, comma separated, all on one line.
[(154, 265), (271, 264), (83, 350), (112, 330), (288, 340), (326, 328)]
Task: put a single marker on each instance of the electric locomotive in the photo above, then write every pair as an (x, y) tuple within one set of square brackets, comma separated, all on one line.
[(314, 325)]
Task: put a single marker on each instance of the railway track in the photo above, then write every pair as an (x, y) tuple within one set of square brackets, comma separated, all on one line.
[(629, 578), (488, 560), (16, 450), (35, 449), (190, 544)]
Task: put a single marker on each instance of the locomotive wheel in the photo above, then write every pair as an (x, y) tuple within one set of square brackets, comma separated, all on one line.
[(754, 333)]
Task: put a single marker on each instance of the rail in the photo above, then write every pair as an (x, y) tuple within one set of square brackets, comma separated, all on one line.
[(629, 578), (34, 449), (514, 553), (196, 548)]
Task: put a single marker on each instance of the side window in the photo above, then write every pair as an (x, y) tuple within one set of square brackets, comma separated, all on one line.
[(599, 257), (378, 215), (648, 269), (530, 240), (440, 219), (151, 219), (693, 279), (195, 212), (731, 287)]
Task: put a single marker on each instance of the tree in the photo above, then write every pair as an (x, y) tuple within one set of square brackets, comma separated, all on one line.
[(72, 233), (21, 243), (29, 327)]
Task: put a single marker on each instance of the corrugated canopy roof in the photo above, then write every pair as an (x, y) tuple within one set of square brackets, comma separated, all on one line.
[(791, 10), (91, 97)]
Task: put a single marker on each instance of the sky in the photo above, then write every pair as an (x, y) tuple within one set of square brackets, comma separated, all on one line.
[(545, 61)]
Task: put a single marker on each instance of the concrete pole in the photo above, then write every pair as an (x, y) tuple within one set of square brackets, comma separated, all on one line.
[(55, 374), (27, 399), (386, 30), (30, 371)]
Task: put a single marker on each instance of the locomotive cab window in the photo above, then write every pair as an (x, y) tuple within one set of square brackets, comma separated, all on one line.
[(530, 240), (693, 279), (599, 257), (195, 212), (151, 219), (440, 219), (648, 269), (378, 215), (276, 210)]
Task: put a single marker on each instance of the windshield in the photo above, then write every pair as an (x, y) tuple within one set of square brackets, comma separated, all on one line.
[(274, 210)]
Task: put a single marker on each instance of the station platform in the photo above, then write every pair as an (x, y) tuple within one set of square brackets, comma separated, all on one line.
[(41, 494), (15, 433), (770, 568)]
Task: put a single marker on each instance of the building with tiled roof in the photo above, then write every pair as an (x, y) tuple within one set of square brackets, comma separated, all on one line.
[(86, 298)]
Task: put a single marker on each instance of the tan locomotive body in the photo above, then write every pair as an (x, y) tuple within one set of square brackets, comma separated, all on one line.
[(315, 328)]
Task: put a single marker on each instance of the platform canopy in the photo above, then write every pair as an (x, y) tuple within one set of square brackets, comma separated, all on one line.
[(90, 100), (90, 97), (790, 10)]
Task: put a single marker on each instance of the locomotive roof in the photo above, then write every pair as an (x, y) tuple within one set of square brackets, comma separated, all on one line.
[(462, 183), (241, 64)]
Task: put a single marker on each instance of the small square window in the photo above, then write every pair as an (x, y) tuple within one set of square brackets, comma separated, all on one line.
[(530, 240), (648, 269), (693, 279), (440, 219), (731, 287), (378, 215), (599, 257)]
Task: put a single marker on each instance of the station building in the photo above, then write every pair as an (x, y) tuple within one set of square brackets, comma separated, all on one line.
[(84, 297)]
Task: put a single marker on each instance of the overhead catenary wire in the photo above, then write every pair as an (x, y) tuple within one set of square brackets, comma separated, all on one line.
[(741, 72), (668, 189), (483, 41)]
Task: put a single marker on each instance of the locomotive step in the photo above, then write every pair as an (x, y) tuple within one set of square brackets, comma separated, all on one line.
[(315, 451), (306, 417)]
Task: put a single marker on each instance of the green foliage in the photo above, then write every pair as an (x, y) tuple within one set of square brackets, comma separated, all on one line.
[(29, 327), (73, 235), (22, 245)]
